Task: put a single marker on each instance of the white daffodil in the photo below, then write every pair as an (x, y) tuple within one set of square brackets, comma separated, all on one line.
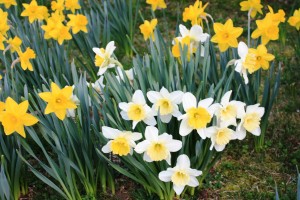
[(121, 142), (220, 137), (250, 121), (103, 58), (129, 73), (166, 103), (157, 147), (197, 116), (195, 34), (137, 110), (229, 110), (71, 112), (240, 66), (99, 84), (181, 175)]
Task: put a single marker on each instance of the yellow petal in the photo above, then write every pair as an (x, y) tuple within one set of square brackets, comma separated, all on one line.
[(10, 105), (46, 96), (29, 120), (20, 130), (22, 107), (61, 114)]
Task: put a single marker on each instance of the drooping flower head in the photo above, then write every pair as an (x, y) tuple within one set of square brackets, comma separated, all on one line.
[(181, 175), (4, 27), (295, 19), (250, 121), (226, 35), (14, 43), (166, 103), (147, 29), (197, 115), (15, 117), (195, 13), (267, 29), (103, 58), (53, 23), (254, 5), (120, 142), (137, 110), (157, 4), (25, 58), (59, 100), (157, 147), (277, 17), (129, 74), (78, 23), (34, 12)]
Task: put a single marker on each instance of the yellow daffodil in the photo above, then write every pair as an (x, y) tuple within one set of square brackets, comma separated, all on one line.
[(53, 22), (226, 35), (8, 3), (25, 57), (262, 58), (295, 19), (72, 5), (254, 5), (2, 40), (250, 121), (2, 107), (3, 22), (180, 43), (15, 117), (78, 23), (59, 100), (198, 115), (34, 12), (276, 17), (121, 142), (14, 44), (157, 147), (267, 29), (58, 5), (195, 13), (156, 4), (147, 29), (61, 33), (181, 175)]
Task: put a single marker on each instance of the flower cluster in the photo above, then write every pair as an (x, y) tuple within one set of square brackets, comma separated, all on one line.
[(195, 13), (233, 120)]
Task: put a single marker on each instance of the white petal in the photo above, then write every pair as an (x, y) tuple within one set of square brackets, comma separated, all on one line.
[(176, 97), (225, 98), (174, 145), (183, 30), (101, 71), (183, 162), (210, 131), (196, 33), (193, 182), (166, 118), (240, 108), (238, 65), (136, 136), (176, 112), (228, 122), (147, 158), (256, 131), (219, 147), (181, 117), (110, 133), (98, 52), (151, 133), (202, 133), (142, 146), (138, 97), (134, 123), (245, 76), (242, 50), (150, 121), (124, 115), (165, 176), (153, 96), (188, 101), (240, 134), (124, 106), (168, 159), (205, 103), (110, 47), (260, 111), (178, 189), (185, 129), (106, 148), (194, 172), (213, 108), (165, 93)]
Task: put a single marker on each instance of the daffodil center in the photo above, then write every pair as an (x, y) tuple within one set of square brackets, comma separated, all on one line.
[(258, 58), (136, 112), (157, 151), (251, 121), (223, 136), (120, 146), (198, 117), (58, 100), (226, 35), (164, 106), (228, 112), (180, 178)]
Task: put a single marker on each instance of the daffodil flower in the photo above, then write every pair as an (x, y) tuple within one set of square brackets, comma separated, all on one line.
[(103, 58), (239, 64), (295, 19), (166, 103), (250, 121), (74, 98), (181, 175), (197, 116), (137, 110), (229, 110), (8, 3), (129, 73), (121, 142), (220, 137), (157, 147), (99, 84)]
